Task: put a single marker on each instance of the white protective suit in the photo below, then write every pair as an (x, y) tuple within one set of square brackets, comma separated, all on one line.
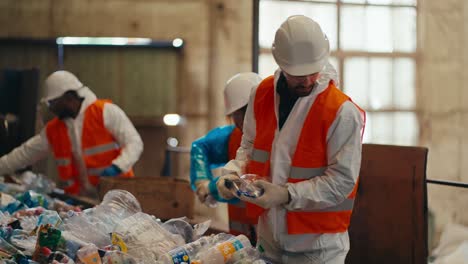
[(344, 159), (116, 122)]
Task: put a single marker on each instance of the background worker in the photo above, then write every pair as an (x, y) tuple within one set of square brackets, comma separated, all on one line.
[(219, 146), (89, 138)]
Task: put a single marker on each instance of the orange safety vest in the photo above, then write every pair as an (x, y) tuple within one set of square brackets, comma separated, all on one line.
[(309, 160), (99, 147), (239, 222)]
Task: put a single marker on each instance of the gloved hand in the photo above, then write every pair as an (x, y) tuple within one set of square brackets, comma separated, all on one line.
[(223, 191), (202, 190), (111, 171), (273, 195)]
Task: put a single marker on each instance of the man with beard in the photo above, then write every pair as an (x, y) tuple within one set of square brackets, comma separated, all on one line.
[(89, 138), (302, 137)]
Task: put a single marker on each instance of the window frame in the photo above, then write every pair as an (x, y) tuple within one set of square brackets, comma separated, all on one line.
[(342, 55)]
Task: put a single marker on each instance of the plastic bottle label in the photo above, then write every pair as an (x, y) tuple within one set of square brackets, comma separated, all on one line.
[(118, 241), (228, 248), (180, 256)]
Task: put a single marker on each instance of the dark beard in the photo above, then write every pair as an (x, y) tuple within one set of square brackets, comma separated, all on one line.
[(299, 91), (66, 114)]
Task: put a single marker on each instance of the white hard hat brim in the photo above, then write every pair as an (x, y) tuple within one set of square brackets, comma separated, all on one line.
[(232, 109), (304, 69), (49, 97), (57, 94)]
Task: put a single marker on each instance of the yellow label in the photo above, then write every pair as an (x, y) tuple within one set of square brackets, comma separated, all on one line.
[(227, 249), (118, 241)]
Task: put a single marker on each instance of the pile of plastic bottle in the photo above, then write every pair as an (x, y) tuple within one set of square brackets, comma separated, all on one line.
[(35, 228)]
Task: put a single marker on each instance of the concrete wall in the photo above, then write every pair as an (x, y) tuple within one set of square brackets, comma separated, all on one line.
[(443, 103)]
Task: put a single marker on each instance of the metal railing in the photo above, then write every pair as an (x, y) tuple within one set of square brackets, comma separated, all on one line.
[(448, 183)]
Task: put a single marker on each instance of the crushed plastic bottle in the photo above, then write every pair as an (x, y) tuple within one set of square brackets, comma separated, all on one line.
[(29, 223), (244, 186), (222, 252), (144, 238), (23, 240), (200, 229), (35, 181), (7, 249), (121, 202), (186, 253), (180, 226), (86, 229), (115, 206)]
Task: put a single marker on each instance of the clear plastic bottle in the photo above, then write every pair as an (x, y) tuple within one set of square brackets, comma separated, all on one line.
[(222, 252), (185, 253), (244, 186)]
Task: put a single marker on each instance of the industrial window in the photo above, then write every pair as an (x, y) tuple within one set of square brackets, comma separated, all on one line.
[(373, 45)]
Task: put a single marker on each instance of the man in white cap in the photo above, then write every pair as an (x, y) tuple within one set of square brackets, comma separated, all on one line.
[(303, 135), (89, 138)]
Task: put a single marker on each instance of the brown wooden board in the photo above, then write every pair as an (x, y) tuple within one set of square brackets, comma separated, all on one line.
[(389, 222), (164, 198)]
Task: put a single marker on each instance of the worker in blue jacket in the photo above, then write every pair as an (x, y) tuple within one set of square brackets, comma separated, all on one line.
[(210, 152)]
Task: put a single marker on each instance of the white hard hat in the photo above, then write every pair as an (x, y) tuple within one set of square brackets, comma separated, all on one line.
[(60, 82), (300, 47), (237, 90)]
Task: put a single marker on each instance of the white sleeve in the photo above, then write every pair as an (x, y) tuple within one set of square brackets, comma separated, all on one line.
[(34, 149), (244, 153), (118, 124), (344, 158)]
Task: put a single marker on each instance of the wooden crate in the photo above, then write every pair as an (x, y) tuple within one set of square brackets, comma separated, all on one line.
[(162, 197), (389, 222)]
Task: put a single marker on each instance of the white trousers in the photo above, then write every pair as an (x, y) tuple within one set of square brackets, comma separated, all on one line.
[(272, 252)]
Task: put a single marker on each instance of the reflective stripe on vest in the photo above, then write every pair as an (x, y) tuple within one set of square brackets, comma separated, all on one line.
[(259, 155), (62, 161), (306, 173), (298, 173), (346, 205), (101, 148), (95, 171)]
